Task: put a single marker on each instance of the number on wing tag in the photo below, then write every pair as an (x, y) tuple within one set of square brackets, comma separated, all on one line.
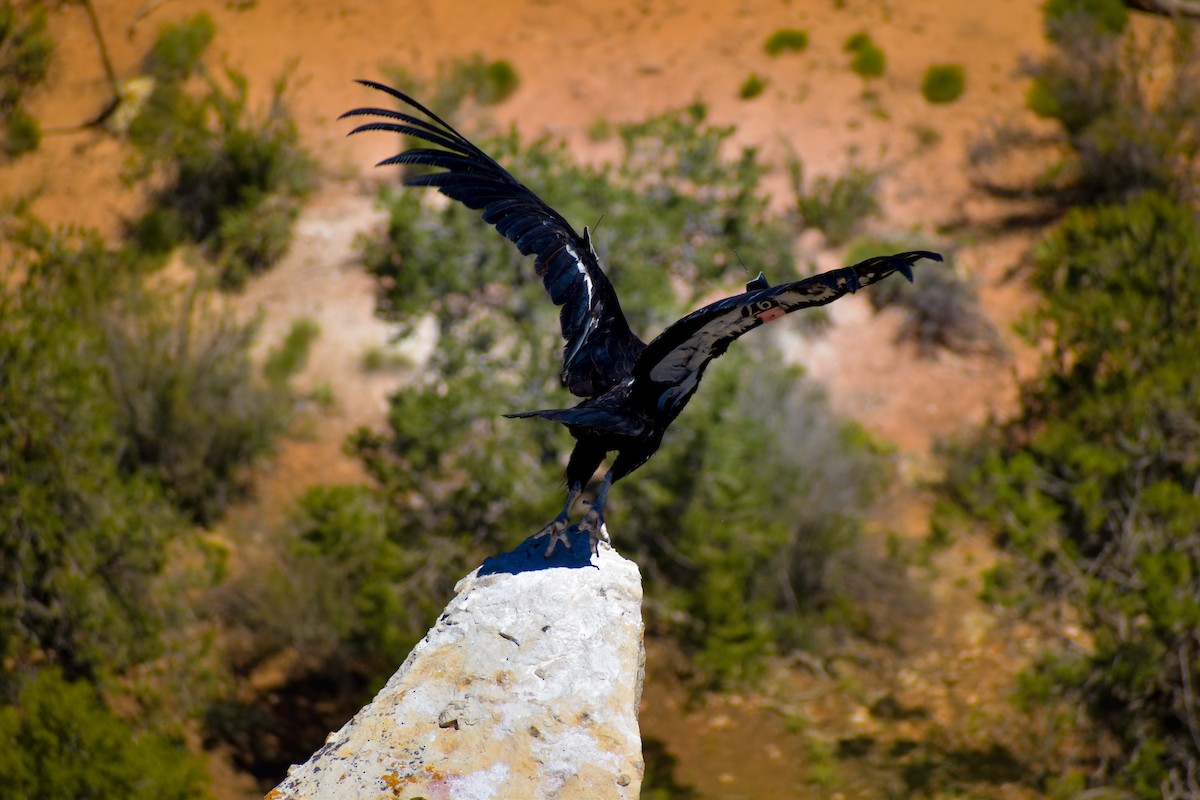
[(765, 311)]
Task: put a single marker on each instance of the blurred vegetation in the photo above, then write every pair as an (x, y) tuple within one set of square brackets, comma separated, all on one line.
[(459, 82), (1064, 17), (1093, 487), (193, 408), (1094, 491), (1129, 128), (752, 87), (130, 412), (836, 206), (659, 781), (25, 52), (868, 60), (943, 83), (228, 180), (941, 306), (786, 40), (83, 538), (61, 742)]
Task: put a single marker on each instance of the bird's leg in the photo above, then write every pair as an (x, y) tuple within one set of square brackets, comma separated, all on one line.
[(556, 530), (593, 520)]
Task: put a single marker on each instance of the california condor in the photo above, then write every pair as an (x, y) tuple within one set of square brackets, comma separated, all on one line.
[(632, 391)]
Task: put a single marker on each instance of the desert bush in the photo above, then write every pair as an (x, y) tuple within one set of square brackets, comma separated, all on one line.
[(943, 83), (835, 206), (83, 540), (352, 584), (752, 87), (458, 82), (123, 407), (941, 306), (179, 49), (786, 40), (292, 353), (1093, 489), (193, 407), (62, 743), (1104, 16), (868, 59), (738, 536), (230, 180), (1129, 127), (25, 51), (487, 82)]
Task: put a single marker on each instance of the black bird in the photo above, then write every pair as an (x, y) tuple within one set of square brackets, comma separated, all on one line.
[(632, 391)]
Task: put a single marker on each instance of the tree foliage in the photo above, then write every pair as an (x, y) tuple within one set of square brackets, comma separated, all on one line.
[(82, 539), (126, 411), (60, 742), (25, 52), (229, 180), (837, 206), (941, 308), (1096, 487), (1128, 108)]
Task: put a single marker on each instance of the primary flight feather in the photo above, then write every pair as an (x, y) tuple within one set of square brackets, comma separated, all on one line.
[(632, 391)]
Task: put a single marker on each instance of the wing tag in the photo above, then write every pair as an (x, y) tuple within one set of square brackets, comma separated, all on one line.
[(764, 311)]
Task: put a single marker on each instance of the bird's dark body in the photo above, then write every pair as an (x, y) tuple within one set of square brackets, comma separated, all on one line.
[(618, 421), (632, 391)]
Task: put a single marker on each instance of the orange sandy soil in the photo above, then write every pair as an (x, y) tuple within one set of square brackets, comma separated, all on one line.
[(949, 662)]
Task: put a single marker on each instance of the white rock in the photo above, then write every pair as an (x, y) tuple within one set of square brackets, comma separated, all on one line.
[(527, 686)]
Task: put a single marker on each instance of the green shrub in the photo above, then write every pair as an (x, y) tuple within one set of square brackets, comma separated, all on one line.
[(499, 81), (352, 584), (943, 83), (746, 544), (62, 743), (473, 78), (1129, 130), (25, 52), (83, 540), (119, 404), (192, 407), (486, 82), (868, 59), (752, 87), (600, 130), (941, 307), (786, 40), (249, 239), (179, 48), (836, 206), (230, 181), (292, 354), (21, 133), (1093, 487), (1063, 17)]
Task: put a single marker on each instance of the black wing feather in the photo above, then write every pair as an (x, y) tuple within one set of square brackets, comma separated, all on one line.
[(600, 349), (671, 366)]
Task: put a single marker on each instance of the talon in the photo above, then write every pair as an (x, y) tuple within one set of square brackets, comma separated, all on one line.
[(556, 530), (593, 523)]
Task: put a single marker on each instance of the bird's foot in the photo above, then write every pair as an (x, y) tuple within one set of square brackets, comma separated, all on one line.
[(593, 523), (557, 531)]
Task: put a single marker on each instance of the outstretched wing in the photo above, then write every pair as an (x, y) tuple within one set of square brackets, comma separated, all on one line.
[(600, 349), (671, 366)]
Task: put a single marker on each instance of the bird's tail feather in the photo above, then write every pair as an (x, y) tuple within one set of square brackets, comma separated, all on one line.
[(546, 413)]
